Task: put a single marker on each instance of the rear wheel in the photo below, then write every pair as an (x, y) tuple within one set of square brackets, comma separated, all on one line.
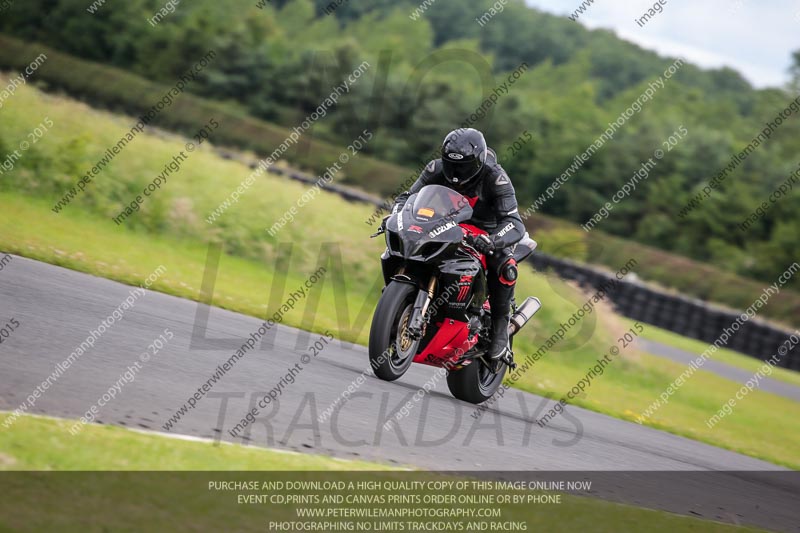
[(476, 382), (391, 350)]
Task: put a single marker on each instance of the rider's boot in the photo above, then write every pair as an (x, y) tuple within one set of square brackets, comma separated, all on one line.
[(500, 297)]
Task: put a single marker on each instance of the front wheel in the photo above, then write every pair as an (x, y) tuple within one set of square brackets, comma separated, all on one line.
[(391, 350), (476, 382)]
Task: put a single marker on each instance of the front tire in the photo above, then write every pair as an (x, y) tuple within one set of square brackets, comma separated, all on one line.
[(476, 382), (391, 351)]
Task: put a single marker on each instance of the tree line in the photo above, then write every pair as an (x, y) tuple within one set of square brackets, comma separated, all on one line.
[(277, 61)]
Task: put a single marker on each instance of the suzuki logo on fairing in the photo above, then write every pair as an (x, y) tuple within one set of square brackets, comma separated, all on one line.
[(442, 229), (457, 157), (400, 221)]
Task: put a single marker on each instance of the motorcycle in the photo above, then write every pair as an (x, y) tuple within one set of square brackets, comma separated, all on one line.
[(434, 309)]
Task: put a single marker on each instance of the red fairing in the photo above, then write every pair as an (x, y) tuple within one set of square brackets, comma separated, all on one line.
[(449, 344), (472, 230), (469, 229), (458, 200)]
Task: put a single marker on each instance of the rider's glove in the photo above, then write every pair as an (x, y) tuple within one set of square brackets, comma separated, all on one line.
[(483, 243), (383, 223)]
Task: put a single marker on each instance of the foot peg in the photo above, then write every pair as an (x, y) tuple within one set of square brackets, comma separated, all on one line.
[(508, 359)]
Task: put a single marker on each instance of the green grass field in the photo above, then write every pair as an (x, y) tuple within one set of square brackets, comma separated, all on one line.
[(159, 502), (170, 229), (41, 443)]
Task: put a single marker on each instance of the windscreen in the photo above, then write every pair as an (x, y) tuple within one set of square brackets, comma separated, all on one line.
[(435, 202)]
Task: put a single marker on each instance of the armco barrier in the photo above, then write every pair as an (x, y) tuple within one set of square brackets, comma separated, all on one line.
[(685, 316)]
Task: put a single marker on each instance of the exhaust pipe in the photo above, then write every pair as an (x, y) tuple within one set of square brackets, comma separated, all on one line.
[(524, 313)]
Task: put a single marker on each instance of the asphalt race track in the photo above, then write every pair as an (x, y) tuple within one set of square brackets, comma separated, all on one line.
[(781, 388), (56, 309)]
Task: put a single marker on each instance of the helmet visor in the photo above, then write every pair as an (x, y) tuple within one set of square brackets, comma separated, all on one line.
[(462, 170)]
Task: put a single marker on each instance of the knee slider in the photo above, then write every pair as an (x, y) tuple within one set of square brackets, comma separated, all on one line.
[(508, 272)]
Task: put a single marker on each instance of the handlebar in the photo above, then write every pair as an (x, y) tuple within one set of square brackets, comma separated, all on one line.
[(469, 241)]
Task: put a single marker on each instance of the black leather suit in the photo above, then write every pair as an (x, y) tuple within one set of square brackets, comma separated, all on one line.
[(494, 210)]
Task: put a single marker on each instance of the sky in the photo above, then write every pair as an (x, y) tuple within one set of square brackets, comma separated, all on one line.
[(754, 37)]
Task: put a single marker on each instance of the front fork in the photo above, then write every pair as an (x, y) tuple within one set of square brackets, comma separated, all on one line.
[(417, 323)]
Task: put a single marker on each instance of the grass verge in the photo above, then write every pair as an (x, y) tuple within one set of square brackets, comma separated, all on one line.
[(152, 501), (723, 355), (43, 443)]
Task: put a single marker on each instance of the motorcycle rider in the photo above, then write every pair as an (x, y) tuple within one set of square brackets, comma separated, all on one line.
[(470, 167)]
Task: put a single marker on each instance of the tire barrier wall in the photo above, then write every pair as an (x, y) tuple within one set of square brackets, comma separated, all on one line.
[(685, 316)]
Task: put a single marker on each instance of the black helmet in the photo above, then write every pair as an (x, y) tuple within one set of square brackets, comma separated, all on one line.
[(463, 156)]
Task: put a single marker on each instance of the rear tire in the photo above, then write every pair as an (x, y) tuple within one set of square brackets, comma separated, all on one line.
[(475, 383), (390, 352)]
